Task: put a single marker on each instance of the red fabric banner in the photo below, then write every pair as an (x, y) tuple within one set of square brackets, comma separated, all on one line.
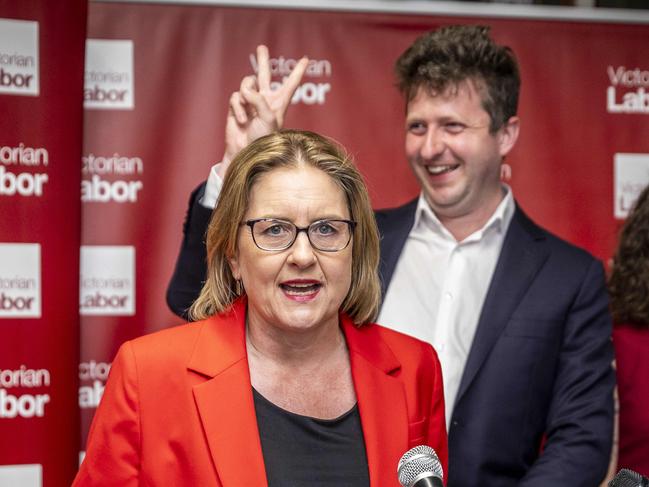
[(155, 115), (41, 84)]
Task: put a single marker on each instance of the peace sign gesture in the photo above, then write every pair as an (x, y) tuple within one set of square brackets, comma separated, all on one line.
[(256, 109)]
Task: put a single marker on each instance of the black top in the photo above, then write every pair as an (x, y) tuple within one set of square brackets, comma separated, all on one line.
[(300, 451)]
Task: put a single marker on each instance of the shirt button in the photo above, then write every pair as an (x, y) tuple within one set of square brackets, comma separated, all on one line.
[(448, 296)]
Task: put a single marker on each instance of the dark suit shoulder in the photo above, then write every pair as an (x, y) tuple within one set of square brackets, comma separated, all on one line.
[(561, 248), (406, 211)]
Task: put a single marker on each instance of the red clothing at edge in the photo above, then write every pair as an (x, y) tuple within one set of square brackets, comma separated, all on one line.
[(632, 358)]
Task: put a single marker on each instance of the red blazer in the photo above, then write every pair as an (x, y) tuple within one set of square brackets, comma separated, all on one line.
[(178, 407)]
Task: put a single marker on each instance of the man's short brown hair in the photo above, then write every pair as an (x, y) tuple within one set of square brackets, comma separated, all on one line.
[(441, 59)]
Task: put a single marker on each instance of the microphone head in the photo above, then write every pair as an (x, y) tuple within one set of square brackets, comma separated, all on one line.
[(627, 478), (417, 463)]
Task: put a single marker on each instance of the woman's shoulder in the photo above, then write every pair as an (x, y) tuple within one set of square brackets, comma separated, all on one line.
[(406, 348), (177, 334), (178, 344), (164, 347)]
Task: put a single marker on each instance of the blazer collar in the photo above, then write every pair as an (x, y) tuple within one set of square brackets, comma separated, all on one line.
[(224, 332), (224, 401), (226, 408), (381, 401)]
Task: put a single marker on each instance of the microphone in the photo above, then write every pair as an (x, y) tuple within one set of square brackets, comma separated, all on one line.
[(420, 467), (629, 478)]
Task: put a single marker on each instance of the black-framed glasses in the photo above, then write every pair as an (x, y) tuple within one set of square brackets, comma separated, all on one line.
[(325, 235)]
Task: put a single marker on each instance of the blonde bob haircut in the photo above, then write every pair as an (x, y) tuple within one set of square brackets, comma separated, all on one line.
[(286, 149)]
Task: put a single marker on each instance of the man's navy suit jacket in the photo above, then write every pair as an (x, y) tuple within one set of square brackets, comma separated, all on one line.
[(535, 403)]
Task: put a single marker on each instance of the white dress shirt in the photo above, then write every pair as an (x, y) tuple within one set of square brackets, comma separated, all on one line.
[(212, 188), (439, 286)]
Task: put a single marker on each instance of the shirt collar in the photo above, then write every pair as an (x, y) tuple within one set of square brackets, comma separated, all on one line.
[(427, 221)]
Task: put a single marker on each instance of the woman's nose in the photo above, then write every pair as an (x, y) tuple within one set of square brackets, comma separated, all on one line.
[(302, 253)]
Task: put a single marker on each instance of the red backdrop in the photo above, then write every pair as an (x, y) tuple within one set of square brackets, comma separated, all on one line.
[(157, 82), (40, 146), (186, 60)]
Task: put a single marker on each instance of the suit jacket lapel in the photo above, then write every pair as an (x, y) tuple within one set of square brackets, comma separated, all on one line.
[(521, 257), (394, 227), (381, 401), (225, 402)]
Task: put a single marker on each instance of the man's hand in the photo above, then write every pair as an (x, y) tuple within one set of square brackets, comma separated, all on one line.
[(256, 110)]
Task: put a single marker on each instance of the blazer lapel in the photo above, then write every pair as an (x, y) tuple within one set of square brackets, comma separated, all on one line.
[(381, 401), (394, 227), (225, 402), (521, 257)]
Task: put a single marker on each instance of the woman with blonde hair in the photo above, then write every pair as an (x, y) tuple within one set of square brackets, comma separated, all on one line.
[(284, 379)]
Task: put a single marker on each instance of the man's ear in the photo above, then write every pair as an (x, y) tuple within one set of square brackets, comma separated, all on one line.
[(508, 135)]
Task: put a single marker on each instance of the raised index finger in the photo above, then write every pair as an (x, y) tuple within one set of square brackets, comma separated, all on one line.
[(263, 68)]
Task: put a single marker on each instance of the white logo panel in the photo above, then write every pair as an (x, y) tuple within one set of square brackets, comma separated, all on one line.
[(631, 177), (107, 284), (19, 57), (109, 75), (28, 475), (20, 280)]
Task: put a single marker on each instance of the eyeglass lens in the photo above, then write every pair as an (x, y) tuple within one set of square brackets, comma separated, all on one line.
[(328, 235)]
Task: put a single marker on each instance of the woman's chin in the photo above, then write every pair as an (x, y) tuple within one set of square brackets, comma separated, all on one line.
[(306, 319)]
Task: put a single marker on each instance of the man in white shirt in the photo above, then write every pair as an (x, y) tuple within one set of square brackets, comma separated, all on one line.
[(518, 317)]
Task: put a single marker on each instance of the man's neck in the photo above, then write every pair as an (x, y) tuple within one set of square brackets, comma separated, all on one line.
[(462, 225)]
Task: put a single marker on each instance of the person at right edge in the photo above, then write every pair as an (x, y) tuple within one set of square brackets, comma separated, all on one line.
[(629, 289), (518, 317)]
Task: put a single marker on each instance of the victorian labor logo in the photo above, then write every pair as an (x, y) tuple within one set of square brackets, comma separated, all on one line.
[(628, 91), (107, 282), (20, 280), (631, 177), (18, 170), (316, 85), (19, 57), (109, 75)]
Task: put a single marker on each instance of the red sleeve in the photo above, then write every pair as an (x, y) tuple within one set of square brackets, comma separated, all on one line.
[(113, 448)]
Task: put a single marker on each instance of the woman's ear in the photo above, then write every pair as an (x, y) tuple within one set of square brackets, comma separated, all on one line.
[(233, 262)]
